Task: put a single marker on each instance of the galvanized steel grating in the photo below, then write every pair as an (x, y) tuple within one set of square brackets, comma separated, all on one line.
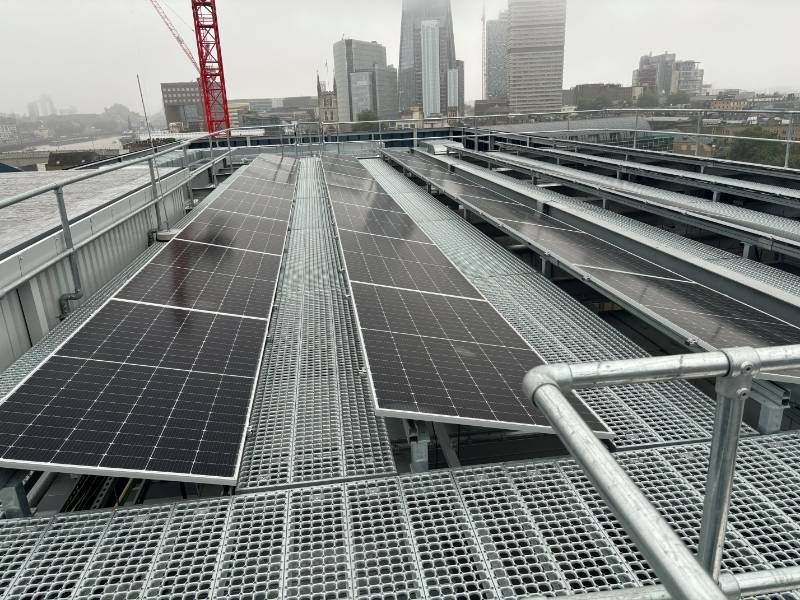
[(534, 527), (312, 417)]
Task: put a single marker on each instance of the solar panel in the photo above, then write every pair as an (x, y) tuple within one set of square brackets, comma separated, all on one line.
[(158, 382), (436, 349), (372, 200), (712, 317), (378, 222)]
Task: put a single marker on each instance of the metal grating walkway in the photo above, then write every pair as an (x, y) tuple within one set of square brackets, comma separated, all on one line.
[(497, 531), (559, 327), (312, 418)]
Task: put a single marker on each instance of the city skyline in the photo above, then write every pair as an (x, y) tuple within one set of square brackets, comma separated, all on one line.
[(149, 50)]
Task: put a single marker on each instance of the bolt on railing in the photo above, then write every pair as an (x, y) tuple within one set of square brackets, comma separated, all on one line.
[(683, 576)]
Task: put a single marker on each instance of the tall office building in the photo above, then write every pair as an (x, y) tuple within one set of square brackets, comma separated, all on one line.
[(495, 75), (426, 52), (655, 72), (363, 80), (687, 78), (535, 55)]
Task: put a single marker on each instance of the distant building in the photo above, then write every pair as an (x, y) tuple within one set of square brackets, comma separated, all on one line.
[(327, 102), (298, 103), (729, 104), (687, 78), (495, 77), (33, 110), (235, 109), (427, 53), (256, 104), (491, 106), (601, 95), (655, 73), (364, 83), (535, 54), (183, 105), (9, 134)]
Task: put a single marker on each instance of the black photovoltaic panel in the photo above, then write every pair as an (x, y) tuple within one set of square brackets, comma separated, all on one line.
[(378, 222), (433, 315), (512, 211), (257, 206), (372, 200), (209, 278), (171, 338), (714, 318), (406, 274), (236, 230), (156, 391), (353, 182), (116, 417), (441, 353), (374, 245)]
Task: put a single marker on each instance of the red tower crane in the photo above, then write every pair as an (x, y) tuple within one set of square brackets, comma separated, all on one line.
[(212, 75)]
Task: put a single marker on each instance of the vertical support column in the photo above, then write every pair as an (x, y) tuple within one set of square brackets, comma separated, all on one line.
[(296, 143), (211, 160), (747, 250), (733, 390), (789, 136), (154, 188), (547, 268), (189, 175), (77, 294), (636, 129), (419, 452), (715, 196), (230, 154), (770, 417), (699, 129), (12, 494)]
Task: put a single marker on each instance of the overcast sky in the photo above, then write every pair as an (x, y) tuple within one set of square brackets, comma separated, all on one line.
[(87, 52)]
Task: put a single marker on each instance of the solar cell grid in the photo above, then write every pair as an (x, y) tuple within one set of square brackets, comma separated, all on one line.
[(171, 338), (378, 222), (256, 186), (433, 315), (85, 413), (214, 259), (365, 243), (256, 235), (370, 199), (356, 182), (237, 202)]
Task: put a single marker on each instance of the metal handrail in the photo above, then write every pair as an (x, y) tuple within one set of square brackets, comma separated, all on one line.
[(682, 575)]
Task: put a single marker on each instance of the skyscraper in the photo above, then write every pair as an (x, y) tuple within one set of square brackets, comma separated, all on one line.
[(655, 72), (495, 59), (535, 54), (363, 80), (419, 67)]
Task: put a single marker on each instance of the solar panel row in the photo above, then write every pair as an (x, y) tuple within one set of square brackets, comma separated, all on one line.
[(436, 349), (158, 383), (708, 315)]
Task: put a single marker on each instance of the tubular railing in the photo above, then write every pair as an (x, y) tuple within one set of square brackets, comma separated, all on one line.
[(682, 575)]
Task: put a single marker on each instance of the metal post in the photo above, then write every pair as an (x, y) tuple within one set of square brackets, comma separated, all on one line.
[(12, 494), (732, 392), (230, 156), (189, 182), (296, 147), (789, 136), (64, 299), (697, 139), (154, 187), (636, 129), (213, 170)]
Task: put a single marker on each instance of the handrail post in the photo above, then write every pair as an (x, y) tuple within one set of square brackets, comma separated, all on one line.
[(154, 187), (789, 136), (699, 129), (296, 142), (77, 294), (230, 154), (636, 129), (732, 390)]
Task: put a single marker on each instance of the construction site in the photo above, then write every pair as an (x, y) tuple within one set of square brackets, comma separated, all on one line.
[(432, 359)]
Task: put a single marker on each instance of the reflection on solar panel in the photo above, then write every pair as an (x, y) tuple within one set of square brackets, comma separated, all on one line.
[(718, 320), (158, 383), (436, 349)]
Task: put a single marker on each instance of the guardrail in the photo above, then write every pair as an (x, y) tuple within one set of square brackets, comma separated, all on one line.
[(682, 575)]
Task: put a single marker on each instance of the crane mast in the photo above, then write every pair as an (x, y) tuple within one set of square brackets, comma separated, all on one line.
[(212, 74)]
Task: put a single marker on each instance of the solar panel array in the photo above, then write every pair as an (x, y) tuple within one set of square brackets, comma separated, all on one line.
[(436, 349), (159, 381)]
